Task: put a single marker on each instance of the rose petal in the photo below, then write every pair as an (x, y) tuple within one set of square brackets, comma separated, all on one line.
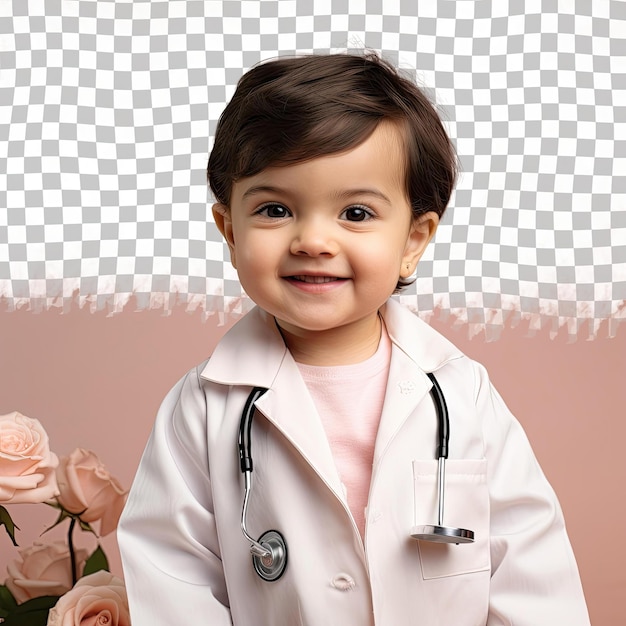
[(43, 569), (87, 488), (25, 490), (26, 462), (93, 600)]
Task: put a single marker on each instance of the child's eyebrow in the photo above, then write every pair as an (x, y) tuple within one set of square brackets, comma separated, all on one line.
[(344, 194), (351, 193), (260, 189)]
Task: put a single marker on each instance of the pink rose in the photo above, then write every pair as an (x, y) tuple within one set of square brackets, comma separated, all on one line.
[(87, 489), (95, 600), (44, 569), (26, 463)]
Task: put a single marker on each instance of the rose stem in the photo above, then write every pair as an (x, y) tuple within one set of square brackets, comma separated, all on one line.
[(70, 543)]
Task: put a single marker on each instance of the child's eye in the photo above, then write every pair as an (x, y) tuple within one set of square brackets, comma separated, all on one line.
[(357, 214), (276, 211)]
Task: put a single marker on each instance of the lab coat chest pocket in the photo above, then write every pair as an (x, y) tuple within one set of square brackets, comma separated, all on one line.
[(466, 505)]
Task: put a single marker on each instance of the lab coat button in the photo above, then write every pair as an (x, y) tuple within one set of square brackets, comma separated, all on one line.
[(375, 516), (343, 582)]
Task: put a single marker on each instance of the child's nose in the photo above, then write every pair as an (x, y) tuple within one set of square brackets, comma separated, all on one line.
[(313, 238)]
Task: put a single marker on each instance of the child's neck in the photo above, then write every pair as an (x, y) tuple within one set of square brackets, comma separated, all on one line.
[(344, 345)]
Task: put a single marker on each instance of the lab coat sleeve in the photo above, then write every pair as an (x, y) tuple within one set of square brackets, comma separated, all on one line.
[(167, 534), (535, 580)]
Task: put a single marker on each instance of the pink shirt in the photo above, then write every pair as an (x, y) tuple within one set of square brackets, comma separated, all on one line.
[(349, 400)]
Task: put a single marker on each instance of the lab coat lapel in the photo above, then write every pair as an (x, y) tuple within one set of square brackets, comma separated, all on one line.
[(289, 406), (406, 387), (416, 349)]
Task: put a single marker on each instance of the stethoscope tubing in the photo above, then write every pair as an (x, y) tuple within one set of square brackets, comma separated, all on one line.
[(443, 420), (269, 552), (244, 445)]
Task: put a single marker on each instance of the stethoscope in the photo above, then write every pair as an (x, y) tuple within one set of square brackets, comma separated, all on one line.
[(269, 551)]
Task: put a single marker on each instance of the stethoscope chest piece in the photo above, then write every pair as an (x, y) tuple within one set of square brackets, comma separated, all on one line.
[(271, 566), (442, 534)]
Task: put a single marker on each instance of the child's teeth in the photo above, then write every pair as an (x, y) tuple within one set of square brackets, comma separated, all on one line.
[(315, 279)]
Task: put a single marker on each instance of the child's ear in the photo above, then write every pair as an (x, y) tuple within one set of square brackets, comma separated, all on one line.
[(422, 231), (224, 223)]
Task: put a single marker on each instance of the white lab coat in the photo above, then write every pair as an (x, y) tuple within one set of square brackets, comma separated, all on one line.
[(186, 560)]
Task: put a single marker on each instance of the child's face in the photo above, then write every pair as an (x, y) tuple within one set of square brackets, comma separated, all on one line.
[(321, 244)]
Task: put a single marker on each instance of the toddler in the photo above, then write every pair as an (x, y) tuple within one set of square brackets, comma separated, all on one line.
[(293, 477)]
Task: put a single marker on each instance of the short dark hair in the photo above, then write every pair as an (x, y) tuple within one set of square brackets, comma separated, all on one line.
[(293, 109)]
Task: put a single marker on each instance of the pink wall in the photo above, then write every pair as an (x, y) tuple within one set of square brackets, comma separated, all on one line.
[(95, 382)]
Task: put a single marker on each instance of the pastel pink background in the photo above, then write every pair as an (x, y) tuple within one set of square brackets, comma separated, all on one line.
[(96, 382)]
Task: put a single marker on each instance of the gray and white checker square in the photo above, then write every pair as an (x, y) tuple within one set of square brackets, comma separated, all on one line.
[(108, 109)]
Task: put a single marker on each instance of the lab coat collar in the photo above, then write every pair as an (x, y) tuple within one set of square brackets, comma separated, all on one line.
[(422, 344), (252, 352)]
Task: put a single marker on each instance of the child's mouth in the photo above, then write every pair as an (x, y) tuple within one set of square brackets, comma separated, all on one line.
[(314, 279)]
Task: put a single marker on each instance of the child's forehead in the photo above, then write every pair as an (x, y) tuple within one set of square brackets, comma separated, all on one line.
[(376, 166), (387, 139)]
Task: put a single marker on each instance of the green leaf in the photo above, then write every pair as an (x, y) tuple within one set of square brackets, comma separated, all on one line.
[(86, 527), (33, 612), (96, 562), (65, 514), (7, 522), (7, 601)]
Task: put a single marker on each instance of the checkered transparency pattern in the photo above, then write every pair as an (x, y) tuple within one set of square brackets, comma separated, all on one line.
[(107, 112)]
